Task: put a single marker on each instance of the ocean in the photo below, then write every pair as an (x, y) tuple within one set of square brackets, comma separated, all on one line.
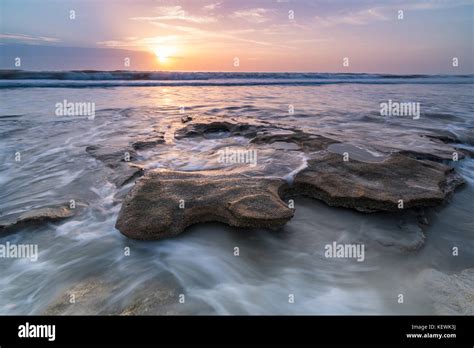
[(198, 271)]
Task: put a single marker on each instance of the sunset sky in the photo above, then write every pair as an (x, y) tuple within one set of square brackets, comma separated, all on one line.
[(208, 35)]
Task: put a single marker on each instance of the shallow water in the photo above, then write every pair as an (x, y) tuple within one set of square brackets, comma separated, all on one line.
[(200, 263)]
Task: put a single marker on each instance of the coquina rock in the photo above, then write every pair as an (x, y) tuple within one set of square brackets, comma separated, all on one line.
[(305, 141), (164, 203), (451, 294), (36, 216), (208, 125), (114, 158), (376, 186), (387, 176)]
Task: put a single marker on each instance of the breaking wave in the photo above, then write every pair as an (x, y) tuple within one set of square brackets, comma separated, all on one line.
[(91, 78)]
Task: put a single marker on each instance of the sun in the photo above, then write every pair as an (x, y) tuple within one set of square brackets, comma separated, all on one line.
[(164, 53)]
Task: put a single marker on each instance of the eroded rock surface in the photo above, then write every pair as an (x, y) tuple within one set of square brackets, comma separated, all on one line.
[(210, 125), (451, 294), (164, 203), (36, 216), (306, 142), (117, 159), (393, 175), (420, 144), (369, 186), (94, 296), (186, 118), (147, 142)]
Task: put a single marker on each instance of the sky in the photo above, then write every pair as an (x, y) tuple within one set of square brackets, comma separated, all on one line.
[(398, 37)]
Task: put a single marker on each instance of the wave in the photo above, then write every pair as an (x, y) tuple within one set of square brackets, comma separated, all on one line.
[(91, 78), (175, 75)]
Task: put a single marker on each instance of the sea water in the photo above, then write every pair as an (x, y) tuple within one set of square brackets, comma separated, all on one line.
[(274, 272)]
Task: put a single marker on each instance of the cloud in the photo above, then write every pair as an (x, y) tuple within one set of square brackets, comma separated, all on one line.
[(433, 5), (212, 7), (197, 34), (354, 18), (165, 13), (254, 15), (141, 42), (28, 38), (385, 12)]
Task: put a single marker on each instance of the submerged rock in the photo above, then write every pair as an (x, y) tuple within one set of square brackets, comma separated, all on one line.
[(378, 176), (418, 143), (117, 159), (306, 142), (451, 294), (110, 155), (89, 298), (210, 125), (381, 186), (144, 144), (163, 203), (406, 235), (147, 142), (37, 216), (94, 296), (186, 118)]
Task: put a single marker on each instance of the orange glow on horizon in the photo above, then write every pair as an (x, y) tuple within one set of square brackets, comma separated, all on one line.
[(164, 53)]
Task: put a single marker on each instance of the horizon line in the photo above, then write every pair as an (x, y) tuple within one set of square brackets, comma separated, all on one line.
[(231, 72)]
